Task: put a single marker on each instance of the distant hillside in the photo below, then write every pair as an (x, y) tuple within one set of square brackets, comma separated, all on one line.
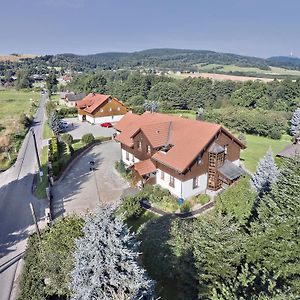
[(288, 62), (178, 59), (16, 57)]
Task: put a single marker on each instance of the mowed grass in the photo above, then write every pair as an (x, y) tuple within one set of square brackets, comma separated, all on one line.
[(257, 146), (47, 132), (40, 191), (13, 103)]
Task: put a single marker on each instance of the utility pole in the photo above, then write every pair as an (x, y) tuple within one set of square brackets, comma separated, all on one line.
[(37, 155), (35, 221)]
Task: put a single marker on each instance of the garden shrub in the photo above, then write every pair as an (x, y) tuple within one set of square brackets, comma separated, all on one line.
[(130, 207), (185, 207), (203, 199), (87, 138)]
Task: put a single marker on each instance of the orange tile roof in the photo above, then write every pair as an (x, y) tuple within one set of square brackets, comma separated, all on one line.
[(92, 101), (186, 137), (144, 167)]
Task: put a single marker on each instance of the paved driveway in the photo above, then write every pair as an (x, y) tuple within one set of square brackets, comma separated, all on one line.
[(80, 128), (81, 189)]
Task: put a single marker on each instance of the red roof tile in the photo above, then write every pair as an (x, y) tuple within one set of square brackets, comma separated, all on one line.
[(186, 137), (144, 167), (92, 101)]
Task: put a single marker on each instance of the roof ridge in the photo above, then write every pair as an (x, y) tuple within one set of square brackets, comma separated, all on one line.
[(169, 133)]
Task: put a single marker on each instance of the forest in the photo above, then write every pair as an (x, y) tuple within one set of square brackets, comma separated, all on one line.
[(252, 107)]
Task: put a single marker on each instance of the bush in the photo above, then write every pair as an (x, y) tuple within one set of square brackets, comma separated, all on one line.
[(203, 199), (87, 138), (67, 139), (185, 207), (130, 207)]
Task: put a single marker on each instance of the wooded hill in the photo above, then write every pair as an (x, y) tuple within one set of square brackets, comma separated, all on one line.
[(164, 59)]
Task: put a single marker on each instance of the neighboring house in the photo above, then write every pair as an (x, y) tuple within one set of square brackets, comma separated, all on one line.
[(99, 108), (291, 151), (70, 98), (187, 157)]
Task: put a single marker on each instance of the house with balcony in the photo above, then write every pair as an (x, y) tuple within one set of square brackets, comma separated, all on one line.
[(187, 157), (99, 108)]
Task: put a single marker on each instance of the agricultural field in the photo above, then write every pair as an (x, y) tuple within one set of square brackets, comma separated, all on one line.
[(211, 68), (15, 57), (13, 105)]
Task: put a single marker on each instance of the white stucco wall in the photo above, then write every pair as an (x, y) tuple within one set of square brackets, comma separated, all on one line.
[(110, 119), (182, 189), (176, 190), (129, 162), (188, 190), (79, 117)]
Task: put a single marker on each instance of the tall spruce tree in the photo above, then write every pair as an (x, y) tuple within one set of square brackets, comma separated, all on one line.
[(266, 173), (295, 123), (54, 122), (106, 261), (275, 238)]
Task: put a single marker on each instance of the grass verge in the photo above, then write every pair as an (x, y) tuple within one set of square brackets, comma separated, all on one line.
[(47, 132), (40, 191)]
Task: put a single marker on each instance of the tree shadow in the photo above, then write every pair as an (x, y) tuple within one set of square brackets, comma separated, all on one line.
[(175, 274), (15, 213), (69, 186)]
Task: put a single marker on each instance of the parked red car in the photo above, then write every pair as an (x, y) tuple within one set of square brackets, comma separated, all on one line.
[(107, 125)]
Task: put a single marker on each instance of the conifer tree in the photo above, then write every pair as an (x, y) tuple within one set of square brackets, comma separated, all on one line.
[(266, 173), (106, 261), (295, 123), (275, 235), (54, 122)]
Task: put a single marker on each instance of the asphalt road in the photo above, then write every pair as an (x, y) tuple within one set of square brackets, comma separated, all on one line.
[(16, 221), (82, 190)]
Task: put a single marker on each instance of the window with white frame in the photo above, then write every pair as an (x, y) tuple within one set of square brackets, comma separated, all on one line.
[(101, 110), (127, 155), (139, 145), (118, 108), (162, 175), (195, 182), (172, 181), (149, 149), (110, 109)]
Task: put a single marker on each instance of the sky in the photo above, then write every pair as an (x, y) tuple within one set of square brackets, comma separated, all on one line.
[(260, 28)]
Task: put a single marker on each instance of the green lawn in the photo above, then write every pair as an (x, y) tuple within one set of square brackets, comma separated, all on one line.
[(47, 132), (13, 103), (40, 191), (135, 224), (257, 147)]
